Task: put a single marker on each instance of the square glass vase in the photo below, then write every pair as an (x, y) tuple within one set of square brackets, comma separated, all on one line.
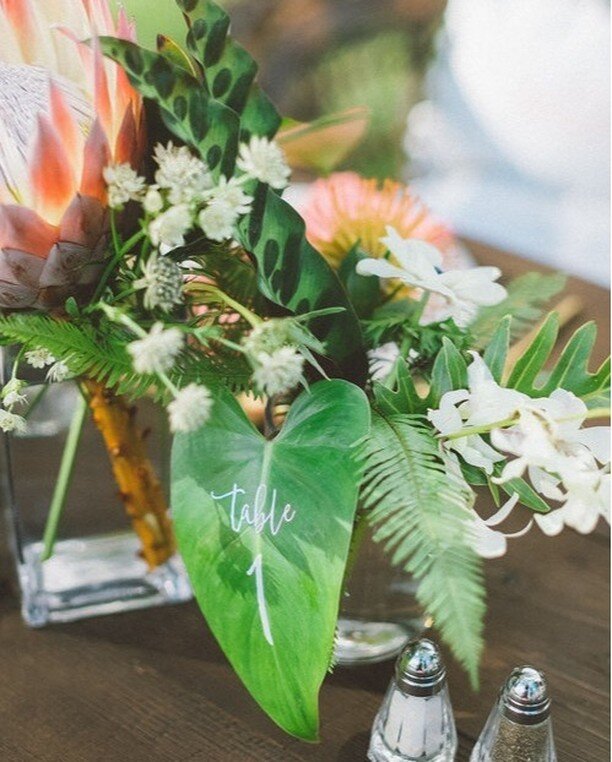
[(96, 565)]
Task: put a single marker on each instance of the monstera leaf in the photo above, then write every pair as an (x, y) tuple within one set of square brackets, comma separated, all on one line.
[(264, 528)]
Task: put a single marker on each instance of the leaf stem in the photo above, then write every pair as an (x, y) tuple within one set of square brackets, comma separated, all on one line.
[(249, 316), (64, 477), (596, 412)]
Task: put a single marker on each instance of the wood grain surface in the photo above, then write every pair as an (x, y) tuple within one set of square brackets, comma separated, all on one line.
[(153, 685)]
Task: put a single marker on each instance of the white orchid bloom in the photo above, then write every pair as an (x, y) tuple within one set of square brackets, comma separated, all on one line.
[(483, 403), (488, 401), (448, 421), (419, 266), (548, 435), (583, 507), (493, 543)]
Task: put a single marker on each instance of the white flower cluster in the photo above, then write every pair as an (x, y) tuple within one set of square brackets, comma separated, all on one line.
[(124, 184), (156, 353), (262, 159), (190, 408), (277, 365), (11, 396), (40, 358), (419, 266), (185, 195), (564, 461)]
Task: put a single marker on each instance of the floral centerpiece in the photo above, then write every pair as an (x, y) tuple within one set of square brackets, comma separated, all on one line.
[(174, 268)]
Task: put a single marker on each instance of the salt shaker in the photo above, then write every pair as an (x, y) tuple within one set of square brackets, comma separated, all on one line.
[(519, 728), (415, 721)]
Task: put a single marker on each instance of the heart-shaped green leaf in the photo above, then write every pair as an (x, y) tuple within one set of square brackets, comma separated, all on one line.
[(264, 528)]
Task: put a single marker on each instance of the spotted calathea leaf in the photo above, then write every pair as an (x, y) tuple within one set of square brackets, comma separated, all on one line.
[(264, 528), (291, 272), (228, 69)]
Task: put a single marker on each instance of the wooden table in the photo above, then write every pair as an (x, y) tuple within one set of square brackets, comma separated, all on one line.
[(153, 685)]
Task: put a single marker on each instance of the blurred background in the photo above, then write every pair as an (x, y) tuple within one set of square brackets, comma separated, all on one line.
[(497, 113)]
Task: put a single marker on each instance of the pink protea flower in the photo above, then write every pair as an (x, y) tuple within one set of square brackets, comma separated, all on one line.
[(65, 114), (345, 208)]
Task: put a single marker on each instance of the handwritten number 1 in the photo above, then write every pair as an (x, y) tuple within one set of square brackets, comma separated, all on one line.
[(257, 569)]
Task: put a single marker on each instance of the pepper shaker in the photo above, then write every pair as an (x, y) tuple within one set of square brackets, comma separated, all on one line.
[(415, 720), (519, 728)]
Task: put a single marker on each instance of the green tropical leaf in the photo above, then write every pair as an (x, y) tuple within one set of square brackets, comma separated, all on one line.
[(404, 397), (531, 363), (270, 587), (571, 371), (496, 353), (449, 372), (420, 511), (527, 298), (228, 69), (364, 292), (186, 107)]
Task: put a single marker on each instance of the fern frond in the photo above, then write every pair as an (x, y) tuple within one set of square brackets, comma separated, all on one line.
[(527, 298), (101, 353), (420, 512)]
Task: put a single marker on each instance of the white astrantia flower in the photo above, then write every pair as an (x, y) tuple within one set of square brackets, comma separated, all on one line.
[(58, 372), (278, 371), (11, 392), (190, 409), (156, 352), (11, 422), (124, 184), (419, 266), (217, 221), (153, 201), (167, 231), (267, 337), (163, 281), (263, 160), (230, 192), (39, 358), (184, 176)]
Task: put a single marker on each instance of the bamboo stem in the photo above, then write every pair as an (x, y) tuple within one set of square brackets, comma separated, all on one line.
[(139, 487)]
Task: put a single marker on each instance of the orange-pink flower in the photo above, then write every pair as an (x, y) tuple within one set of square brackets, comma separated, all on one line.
[(346, 208), (65, 113)]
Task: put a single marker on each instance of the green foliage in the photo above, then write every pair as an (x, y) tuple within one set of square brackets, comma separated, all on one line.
[(449, 372), (227, 68), (527, 298), (497, 350), (229, 270), (202, 113), (403, 397), (100, 353), (421, 512), (571, 372), (398, 321), (276, 629), (364, 292)]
